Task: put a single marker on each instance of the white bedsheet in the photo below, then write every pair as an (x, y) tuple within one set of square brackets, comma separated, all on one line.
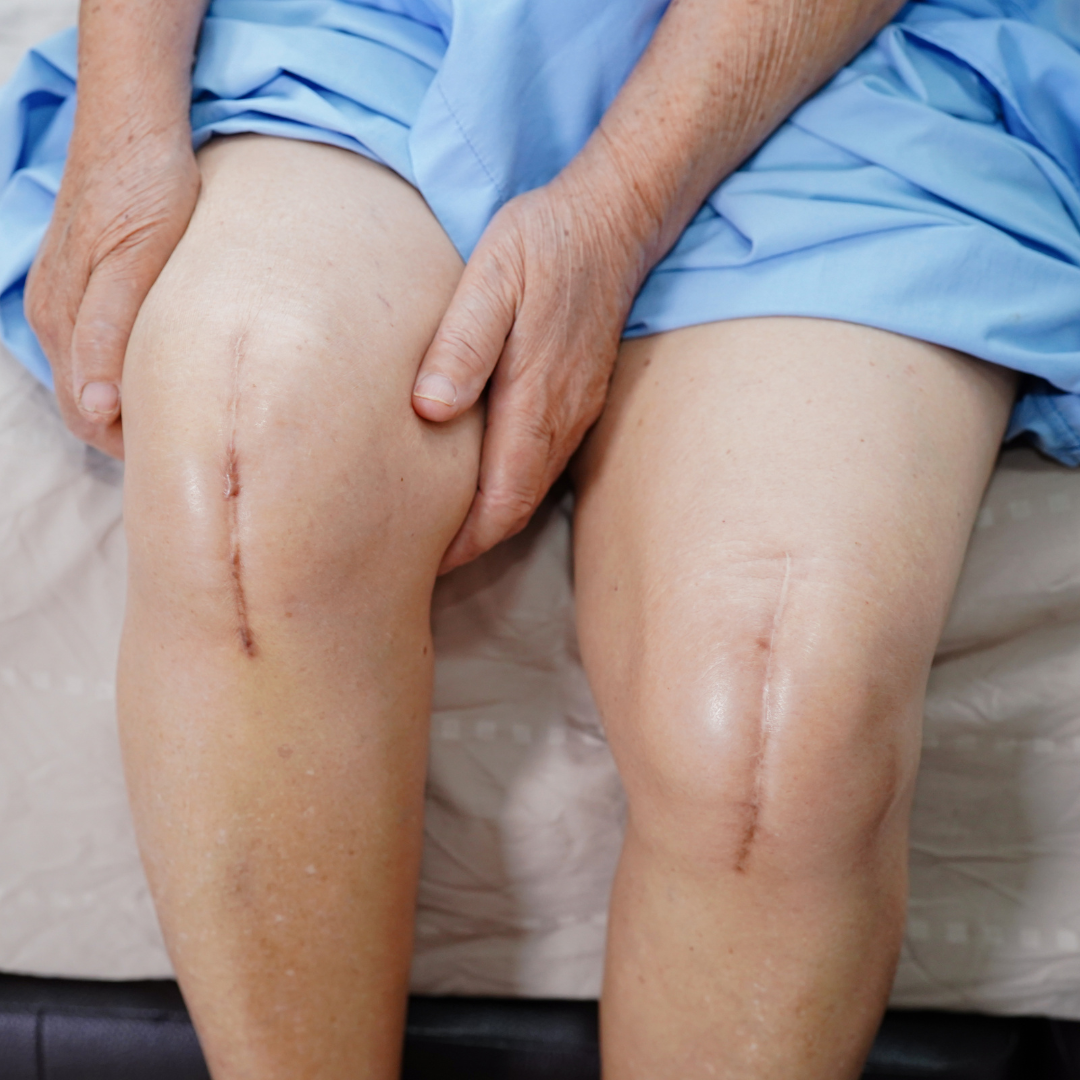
[(524, 807)]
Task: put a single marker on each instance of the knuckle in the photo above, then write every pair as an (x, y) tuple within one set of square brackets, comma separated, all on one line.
[(538, 429), (125, 259), (36, 301), (36, 314), (502, 268), (143, 229), (509, 505), (505, 510), (458, 347), (594, 399)]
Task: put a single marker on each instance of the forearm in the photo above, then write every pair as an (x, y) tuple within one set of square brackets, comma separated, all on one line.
[(129, 188), (716, 80), (135, 61)]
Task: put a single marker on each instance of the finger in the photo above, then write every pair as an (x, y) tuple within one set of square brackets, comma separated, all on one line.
[(51, 301), (106, 438), (468, 343), (109, 440), (113, 296), (519, 462)]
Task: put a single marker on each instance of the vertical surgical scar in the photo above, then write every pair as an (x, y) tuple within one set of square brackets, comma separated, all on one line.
[(753, 815), (232, 504)]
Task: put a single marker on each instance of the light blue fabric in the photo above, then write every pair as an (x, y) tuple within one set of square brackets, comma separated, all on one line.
[(932, 188)]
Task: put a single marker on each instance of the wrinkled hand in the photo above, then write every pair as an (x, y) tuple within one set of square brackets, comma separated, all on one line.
[(539, 310), (119, 214)]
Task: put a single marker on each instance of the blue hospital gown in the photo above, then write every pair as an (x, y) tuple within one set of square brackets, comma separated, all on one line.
[(932, 188)]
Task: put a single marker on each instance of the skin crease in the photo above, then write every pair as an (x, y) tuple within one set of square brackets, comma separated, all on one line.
[(768, 803)]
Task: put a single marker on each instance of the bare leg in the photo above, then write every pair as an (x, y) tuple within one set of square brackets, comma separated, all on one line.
[(286, 513), (771, 521)]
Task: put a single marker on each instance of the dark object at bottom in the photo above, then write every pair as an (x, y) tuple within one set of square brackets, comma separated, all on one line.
[(60, 1029), (501, 1039)]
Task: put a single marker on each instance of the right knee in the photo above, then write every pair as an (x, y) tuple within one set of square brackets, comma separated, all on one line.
[(256, 501)]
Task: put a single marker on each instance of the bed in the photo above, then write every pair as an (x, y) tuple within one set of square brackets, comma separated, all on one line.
[(524, 807)]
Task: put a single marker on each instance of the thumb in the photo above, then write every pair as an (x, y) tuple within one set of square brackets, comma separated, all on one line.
[(468, 343), (111, 302)]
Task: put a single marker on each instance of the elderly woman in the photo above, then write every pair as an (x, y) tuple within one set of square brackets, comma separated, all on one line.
[(350, 343)]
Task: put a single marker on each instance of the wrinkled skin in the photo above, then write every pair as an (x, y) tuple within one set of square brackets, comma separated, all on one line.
[(547, 290), (546, 341), (122, 208), (539, 312)]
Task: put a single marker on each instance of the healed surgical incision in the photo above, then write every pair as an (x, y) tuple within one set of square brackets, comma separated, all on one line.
[(236, 566), (757, 794), (232, 504)]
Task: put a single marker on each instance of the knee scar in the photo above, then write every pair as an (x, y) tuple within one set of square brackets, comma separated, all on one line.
[(754, 804), (232, 490)]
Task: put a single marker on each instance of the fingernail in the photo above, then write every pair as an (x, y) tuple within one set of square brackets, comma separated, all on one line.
[(100, 397), (436, 388)]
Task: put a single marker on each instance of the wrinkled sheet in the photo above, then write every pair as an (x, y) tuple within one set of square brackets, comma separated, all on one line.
[(932, 188)]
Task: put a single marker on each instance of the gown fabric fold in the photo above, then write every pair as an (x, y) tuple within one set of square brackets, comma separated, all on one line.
[(932, 188)]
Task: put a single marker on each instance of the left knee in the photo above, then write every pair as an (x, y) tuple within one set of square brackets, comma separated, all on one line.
[(793, 764)]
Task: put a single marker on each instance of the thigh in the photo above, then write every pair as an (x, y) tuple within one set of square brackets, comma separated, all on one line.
[(267, 388), (771, 518)]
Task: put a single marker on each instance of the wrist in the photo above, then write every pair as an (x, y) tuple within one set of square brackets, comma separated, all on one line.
[(135, 64), (116, 147), (116, 118), (610, 202), (116, 109), (629, 192)]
